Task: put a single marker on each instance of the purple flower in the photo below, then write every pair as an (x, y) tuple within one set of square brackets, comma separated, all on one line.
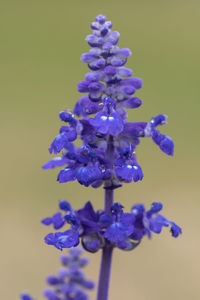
[(106, 156), (55, 162), (103, 124), (64, 205), (164, 142), (60, 240), (88, 175), (88, 219), (175, 229), (61, 139), (70, 282), (26, 297), (85, 107), (95, 229), (126, 167), (132, 103), (68, 117), (108, 123), (57, 221), (129, 172), (121, 226), (150, 221), (67, 174)]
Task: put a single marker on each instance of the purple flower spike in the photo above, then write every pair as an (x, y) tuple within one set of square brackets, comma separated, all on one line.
[(105, 157), (70, 282), (102, 123)]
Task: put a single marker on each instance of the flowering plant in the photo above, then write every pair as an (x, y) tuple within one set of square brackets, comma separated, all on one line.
[(70, 283), (107, 157)]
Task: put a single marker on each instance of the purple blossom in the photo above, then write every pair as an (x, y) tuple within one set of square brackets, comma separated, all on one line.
[(26, 297), (55, 162), (60, 240), (124, 230), (150, 221), (57, 221), (129, 173), (109, 89), (70, 283), (89, 174), (120, 228), (107, 156)]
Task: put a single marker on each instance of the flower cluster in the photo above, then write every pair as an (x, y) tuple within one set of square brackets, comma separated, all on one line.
[(70, 283), (96, 229), (107, 154)]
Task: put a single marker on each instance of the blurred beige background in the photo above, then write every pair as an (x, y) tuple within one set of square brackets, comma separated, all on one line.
[(41, 44)]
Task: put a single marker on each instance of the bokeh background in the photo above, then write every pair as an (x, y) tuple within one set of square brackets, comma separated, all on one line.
[(41, 44)]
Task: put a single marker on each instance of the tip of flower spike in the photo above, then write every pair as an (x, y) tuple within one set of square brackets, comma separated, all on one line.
[(101, 19)]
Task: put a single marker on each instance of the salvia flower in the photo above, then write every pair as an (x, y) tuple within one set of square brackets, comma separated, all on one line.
[(99, 119), (70, 282), (95, 229), (106, 156)]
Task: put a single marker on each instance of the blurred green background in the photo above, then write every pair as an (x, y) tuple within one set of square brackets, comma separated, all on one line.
[(41, 44)]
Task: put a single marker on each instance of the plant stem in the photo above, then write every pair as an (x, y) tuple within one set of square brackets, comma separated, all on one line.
[(104, 278), (106, 258), (109, 195)]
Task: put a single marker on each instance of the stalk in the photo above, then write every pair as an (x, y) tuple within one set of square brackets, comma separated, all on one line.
[(106, 258), (104, 277)]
